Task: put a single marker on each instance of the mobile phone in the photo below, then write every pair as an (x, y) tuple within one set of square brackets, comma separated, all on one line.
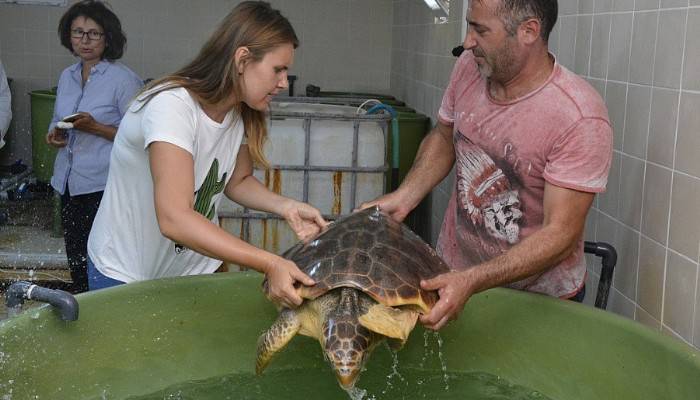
[(71, 118)]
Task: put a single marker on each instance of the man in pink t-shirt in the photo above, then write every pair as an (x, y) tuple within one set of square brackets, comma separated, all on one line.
[(531, 144)]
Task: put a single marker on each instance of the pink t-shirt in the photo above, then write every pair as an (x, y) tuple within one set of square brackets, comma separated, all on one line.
[(505, 152)]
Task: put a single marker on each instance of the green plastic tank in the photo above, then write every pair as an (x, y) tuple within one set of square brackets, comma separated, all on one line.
[(43, 155), (412, 129), (142, 338)]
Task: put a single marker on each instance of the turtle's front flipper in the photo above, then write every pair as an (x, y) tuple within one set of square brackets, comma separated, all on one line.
[(274, 339), (396, 323)]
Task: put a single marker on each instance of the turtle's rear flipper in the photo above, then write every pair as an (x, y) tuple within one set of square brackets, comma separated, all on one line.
[(276, 338), (396, 323)]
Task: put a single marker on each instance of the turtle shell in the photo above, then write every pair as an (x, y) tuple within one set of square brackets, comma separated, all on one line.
[(372, 252)]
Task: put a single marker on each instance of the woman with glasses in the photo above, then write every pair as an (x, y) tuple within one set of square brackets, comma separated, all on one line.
[(92, 97)]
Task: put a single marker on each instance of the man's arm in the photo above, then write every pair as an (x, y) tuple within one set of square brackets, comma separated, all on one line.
[(433, 162), (565, 213)]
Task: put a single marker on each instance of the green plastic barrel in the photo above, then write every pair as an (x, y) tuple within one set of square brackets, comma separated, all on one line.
[(412, 129), (141, 338), (43, 155)]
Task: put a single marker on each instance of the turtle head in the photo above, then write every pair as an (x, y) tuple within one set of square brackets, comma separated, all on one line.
[(347, 346)]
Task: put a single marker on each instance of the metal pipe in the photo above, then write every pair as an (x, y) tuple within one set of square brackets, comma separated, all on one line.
[(20, 291), (353, 178), (609, 259)]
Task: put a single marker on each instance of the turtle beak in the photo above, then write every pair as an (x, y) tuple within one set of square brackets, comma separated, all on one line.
[(347, 381)]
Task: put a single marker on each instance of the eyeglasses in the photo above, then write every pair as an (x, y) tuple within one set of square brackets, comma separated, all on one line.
[(91, 34)]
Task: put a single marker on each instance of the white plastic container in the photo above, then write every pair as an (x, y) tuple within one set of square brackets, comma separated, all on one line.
[(330, 168)]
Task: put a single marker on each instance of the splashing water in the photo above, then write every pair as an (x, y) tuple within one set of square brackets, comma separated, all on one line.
[(429, 354), (443, 364), (394, 372), (356, 393), (427, 351)]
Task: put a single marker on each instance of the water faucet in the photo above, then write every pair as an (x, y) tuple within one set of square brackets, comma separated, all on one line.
[(20, 291)]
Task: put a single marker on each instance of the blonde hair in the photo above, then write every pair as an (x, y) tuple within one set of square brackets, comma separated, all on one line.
[(213, 75)]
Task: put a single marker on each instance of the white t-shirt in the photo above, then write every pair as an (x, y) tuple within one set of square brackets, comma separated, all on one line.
[(125, 242)]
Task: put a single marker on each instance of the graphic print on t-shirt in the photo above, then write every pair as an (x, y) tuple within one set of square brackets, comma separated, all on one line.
[(203, 197), (488, 199)]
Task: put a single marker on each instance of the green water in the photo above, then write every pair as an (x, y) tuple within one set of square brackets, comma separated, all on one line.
[(307, 384)]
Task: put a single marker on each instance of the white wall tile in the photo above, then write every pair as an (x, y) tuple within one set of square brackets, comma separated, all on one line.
[(688, 141), (616, 100), (679, 297), (631, 182), (669, 48), (637, 120), (662, 128), (643, 39), (691, 75), (583, 44), (599, 46)]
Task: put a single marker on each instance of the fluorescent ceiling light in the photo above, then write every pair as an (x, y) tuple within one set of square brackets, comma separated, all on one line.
[(433, 4)]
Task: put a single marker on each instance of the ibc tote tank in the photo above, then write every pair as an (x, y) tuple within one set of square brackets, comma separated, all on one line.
[(326, 155)]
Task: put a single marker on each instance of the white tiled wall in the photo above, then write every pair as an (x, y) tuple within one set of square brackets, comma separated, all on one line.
[(643, 56), (345, 45), (421, 64)]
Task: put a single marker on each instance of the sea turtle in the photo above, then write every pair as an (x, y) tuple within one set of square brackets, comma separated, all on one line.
[(367, 269)]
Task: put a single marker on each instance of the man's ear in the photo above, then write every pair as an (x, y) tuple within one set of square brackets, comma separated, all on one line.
[(241, 56), (529, 30)]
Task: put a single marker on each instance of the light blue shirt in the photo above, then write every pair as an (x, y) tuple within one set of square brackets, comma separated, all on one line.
[(83, 164)]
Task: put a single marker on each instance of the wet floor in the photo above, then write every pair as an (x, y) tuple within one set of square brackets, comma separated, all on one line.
[(30, 249)]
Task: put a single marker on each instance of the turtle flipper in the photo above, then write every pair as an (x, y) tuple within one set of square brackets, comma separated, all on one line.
[(396, 323), (276, 338)]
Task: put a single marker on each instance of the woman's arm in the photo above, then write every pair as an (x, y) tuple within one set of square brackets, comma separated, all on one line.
[(172, 170), (246, 190)]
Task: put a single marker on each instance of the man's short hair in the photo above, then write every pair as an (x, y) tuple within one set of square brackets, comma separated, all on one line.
[(515, 12)]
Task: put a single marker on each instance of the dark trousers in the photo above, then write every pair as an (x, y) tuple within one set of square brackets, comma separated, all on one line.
[(578, 297), (77, 214)]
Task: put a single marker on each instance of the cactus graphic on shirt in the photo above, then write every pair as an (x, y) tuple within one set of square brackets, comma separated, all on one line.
[(203, 197), (210, 187)]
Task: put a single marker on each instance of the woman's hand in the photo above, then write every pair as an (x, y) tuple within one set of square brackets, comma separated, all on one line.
[(85, 122), (281, 276), (57, 138), (306, 221)]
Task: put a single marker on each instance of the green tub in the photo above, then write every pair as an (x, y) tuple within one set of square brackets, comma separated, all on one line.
[(141, 338)]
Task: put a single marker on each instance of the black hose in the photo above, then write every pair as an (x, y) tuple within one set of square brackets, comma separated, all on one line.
[(609, 259)]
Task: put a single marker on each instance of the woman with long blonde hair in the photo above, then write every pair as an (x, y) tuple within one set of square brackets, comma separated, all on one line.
[(188, 139)]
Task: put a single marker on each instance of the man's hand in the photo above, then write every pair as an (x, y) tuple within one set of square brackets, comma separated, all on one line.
[(454, 289), (306, 221), (391, 204)]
